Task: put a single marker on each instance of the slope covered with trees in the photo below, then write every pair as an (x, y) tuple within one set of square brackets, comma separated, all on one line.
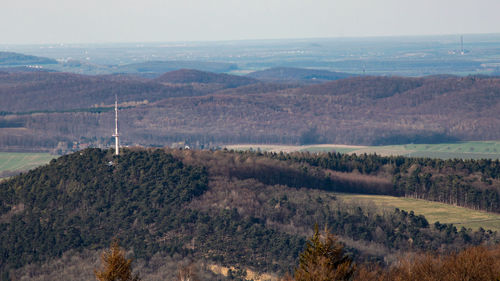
[(203, 109), (45, 91), (228, 208), (473, 184)]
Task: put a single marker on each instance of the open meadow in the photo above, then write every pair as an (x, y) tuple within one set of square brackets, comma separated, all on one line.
[(433, 211), (11, 162), (464, 150)]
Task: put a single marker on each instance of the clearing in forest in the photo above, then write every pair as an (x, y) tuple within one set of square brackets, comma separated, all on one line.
[(433, 211), (464, 150)]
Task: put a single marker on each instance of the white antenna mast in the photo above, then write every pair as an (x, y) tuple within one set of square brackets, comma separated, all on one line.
[(116, 135), (462, 52)]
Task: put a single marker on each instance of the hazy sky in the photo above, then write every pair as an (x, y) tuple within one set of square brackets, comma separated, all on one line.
[(91, 21)]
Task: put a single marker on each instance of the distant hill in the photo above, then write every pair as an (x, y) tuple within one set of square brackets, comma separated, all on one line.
[(13, 59), (43, 91), (366, 87), (153, 69), (124, 77), (187, 76), (16, 69), (298, 75), (358, 110), (257, 88)]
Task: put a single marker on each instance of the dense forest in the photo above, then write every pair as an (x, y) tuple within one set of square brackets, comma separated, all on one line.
[(47, 91), (42, 109), (242, 209)]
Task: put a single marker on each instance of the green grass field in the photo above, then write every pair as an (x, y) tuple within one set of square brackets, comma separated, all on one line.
[(464, 150), (13, 161), (329, 149), (433, 211)]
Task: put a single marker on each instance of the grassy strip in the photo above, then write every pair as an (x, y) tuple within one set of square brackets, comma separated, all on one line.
[(433, 211), (14, 161), (463, 150)]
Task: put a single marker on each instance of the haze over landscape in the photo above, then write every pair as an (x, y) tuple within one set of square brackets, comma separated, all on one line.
[(93, 21), (259, 140)]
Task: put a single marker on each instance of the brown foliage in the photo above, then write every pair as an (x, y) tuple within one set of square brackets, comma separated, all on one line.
[(363, 110), (287, 277), (115, 266), (323, 259), (475, 263), (22, 92), (187, 273)]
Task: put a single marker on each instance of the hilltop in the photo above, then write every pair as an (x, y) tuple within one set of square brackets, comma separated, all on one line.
[(187, 76), (15, 59), (228, 208), (46, 91), (154, 69)]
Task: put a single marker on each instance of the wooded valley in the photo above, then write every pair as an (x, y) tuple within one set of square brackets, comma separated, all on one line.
[(42, 110)]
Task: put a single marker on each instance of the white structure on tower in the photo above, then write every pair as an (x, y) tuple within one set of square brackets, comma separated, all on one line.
[(116, 135), (462, 52)]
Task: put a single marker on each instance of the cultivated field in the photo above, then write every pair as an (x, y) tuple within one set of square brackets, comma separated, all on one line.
[(292, 148), (11, 162), (464, 150), (433, 211)]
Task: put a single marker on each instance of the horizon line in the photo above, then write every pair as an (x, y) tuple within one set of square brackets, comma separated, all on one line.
[(253, 39)]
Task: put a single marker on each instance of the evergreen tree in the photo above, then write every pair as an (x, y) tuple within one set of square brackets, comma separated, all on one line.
[(324, 260)]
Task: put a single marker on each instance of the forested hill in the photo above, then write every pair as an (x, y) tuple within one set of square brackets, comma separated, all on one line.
[(207, 109), (45, 91), (186, 76), (12, 59), (297, 75), (230, 208), (154, 69)]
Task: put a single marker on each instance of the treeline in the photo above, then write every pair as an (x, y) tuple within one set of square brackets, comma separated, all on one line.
[(324, 258), (258, 173), (473, 184)]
